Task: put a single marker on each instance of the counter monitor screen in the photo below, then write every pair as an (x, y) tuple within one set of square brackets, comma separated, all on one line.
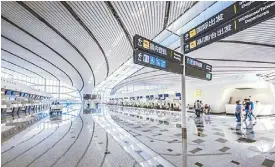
[(177, 94), (8, 92)]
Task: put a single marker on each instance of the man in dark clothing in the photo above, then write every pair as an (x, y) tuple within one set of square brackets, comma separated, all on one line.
[(247, 109)]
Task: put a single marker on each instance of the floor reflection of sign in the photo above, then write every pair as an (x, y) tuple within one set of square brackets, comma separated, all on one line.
[(146, 58)]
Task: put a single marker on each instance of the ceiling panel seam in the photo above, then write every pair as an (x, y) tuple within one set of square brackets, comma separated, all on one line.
[(167, 12), (15, 71), (23, 30), (247, 43), (30, 63), (36, 55), (115, 14), (61, 35), (248, 61), (23, 68), (68, 7)]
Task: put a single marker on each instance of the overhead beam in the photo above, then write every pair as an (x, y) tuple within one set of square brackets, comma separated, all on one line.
[(246, 43), (166, 14), (10, 53), (68, 7), (59, 33), (120, 22), (23, 68), (36, 55), (26, 32), (15, 71)]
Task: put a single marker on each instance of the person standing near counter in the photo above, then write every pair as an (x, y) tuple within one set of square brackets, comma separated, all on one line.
[(238, 111)]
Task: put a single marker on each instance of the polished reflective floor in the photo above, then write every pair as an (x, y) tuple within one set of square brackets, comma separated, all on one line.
[(114, 136)]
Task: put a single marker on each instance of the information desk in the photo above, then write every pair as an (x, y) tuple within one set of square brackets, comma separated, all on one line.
[(261, 110)]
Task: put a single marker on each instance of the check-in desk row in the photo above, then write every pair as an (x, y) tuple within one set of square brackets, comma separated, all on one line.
[(171, 118), (13, 109)]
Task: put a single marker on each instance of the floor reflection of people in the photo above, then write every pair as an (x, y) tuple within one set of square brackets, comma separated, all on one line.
[(245, 130), (207, 119), (199, 125), (250, 134)]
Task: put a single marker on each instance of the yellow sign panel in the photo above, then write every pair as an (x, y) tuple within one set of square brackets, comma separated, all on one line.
[(192, 33), (193, 44), (146, 44), (197, 93)]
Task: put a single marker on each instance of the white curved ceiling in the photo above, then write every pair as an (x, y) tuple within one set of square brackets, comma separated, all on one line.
[(83, 43)]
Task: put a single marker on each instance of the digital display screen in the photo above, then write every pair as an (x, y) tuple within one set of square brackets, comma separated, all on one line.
[(13, 93), (87, 96), (177, 94), (165, 95), (147, 96), (160, 95), (22, 94)]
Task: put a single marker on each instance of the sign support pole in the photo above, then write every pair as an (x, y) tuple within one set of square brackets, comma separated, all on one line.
[(183, 110)]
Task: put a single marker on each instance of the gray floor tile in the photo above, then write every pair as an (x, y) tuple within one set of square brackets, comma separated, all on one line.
[(195, 150), (221, 140), (224, 149), (198, 141), (268, 163)]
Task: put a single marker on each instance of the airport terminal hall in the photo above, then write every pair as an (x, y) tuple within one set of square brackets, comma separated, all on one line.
[(138, 83)]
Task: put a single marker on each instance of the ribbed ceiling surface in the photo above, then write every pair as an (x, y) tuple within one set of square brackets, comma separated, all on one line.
[(83, 42)]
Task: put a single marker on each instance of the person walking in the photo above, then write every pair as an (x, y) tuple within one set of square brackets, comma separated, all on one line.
[(197, 107), (251, 108), (238, 111), (247, 110)]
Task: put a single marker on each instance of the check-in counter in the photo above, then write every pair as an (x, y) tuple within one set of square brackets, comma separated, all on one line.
[(260, 110)]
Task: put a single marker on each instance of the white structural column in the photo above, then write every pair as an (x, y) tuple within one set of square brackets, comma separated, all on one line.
[(183, 110), (58, 89), (45, 86)]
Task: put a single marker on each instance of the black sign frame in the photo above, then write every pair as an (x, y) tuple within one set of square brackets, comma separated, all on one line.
[(169, 67), (204, 66), (145, 44), (196, 73), (233, 26), (228, 13)]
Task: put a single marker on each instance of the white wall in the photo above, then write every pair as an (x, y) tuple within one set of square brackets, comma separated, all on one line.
[(217, 93)]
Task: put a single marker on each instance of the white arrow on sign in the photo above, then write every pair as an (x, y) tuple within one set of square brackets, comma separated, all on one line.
[(177, 57), (139, 57), (140, 42)]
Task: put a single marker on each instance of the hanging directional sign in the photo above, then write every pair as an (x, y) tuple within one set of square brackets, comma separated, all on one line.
[(155, 61), (228, 13), (147, 45), (253, 17), (196, 73), (189, 61)]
